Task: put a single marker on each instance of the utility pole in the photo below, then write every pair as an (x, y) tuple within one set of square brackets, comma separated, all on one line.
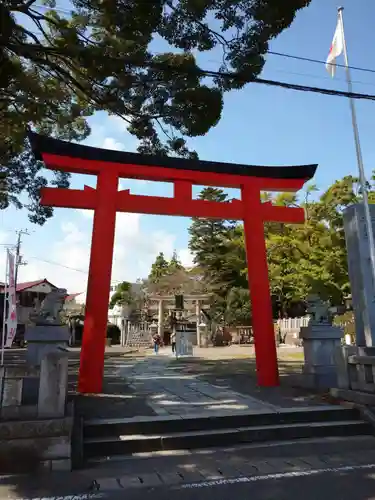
[(19, 261)]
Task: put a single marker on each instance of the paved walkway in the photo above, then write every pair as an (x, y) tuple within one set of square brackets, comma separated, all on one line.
[(170, 392), (185, 475), (214, 381)]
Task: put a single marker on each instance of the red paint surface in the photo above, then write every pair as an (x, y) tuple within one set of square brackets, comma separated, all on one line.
[(98, 286), (257, 269), (106, 200)]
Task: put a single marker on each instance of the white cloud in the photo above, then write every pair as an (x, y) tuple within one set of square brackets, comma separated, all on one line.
[(134, 249), (134, 252), (118, 123), (186, 257), (65, 262), (111, 143)]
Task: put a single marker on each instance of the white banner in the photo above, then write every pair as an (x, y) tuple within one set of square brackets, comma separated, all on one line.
[(12, 302)]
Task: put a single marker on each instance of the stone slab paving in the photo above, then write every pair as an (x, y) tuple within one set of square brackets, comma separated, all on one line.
[(170, 392), (194, 467), (118, 400), (177, 468)]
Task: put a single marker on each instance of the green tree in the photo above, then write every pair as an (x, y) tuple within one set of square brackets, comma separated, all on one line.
[(284, 254), (159, 268), (174, 263), (57, 68), (122, 296), (311, 257), (218, 251), (177, 282), (209, 238), (302, 259), (326, 237), (238, 307)]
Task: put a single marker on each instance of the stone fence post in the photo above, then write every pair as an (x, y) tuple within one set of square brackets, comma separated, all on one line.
[(53, 386), (12, 390)]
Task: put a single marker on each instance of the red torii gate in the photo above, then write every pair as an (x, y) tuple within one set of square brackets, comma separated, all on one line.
[(106, 200)]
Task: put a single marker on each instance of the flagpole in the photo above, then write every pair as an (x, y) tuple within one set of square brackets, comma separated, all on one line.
[(362, 176), (4, 308)]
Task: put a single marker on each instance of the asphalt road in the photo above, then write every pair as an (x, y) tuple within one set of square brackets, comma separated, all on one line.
[(343, 482), (350, 485), (356, 484), (341, 485)]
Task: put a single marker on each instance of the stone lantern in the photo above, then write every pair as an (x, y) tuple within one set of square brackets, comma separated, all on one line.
[(320, 340), (153, 328), (203, 334)]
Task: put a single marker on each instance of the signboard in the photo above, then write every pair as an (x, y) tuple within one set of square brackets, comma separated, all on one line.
[(184, 346)]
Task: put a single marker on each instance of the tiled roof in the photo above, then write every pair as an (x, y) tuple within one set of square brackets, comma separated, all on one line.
[(72, 296), (28, 284)]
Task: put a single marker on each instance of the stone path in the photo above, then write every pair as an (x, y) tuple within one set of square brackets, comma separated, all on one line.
[(170, 392), (150, 475)]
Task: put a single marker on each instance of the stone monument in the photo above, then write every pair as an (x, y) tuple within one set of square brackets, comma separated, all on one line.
[(47, 333), (360, 274), (184, 345), (320, 340)]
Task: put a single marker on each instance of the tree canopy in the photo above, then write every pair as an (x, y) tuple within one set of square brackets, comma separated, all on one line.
[(302, 259), (58, 67), (122, 296), (159, 268)]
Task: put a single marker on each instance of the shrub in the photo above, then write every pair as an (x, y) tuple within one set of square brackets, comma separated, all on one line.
[(346, 321), (113, 333)]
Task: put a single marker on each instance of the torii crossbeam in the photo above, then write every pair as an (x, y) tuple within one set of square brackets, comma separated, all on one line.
[(106, 200)]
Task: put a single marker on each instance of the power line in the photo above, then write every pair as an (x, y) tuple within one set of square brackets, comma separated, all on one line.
[(196, 71), (60, 265), (319, 77), (68, 267), (318, 61), (271, 52), (294, 73)]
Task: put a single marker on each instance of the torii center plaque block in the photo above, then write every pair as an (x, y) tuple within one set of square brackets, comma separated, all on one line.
[(106, 200)]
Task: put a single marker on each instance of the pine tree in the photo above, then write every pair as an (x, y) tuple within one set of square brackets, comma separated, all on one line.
[(159, 268), (175, 263), (211, 241)]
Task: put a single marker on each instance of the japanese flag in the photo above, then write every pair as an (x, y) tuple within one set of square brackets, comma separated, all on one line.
[(337, 48)]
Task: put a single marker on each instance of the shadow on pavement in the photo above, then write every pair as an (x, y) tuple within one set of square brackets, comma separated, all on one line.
[(239, 375), (45, 486)]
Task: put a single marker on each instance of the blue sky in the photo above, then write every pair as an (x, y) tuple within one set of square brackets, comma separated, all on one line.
[(259, 125)]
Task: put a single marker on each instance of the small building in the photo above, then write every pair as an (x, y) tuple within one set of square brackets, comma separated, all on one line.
[(29, 296), (72, 307)]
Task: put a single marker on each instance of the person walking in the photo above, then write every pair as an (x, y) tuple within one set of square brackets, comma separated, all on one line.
[(157, 342), (173, 341)]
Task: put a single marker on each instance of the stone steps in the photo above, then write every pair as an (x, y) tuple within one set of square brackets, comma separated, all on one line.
[(119, 437)]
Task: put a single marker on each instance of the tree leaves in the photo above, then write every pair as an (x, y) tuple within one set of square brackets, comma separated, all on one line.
[(122, 296), (58, 68), (159, 268), (302, 259)]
